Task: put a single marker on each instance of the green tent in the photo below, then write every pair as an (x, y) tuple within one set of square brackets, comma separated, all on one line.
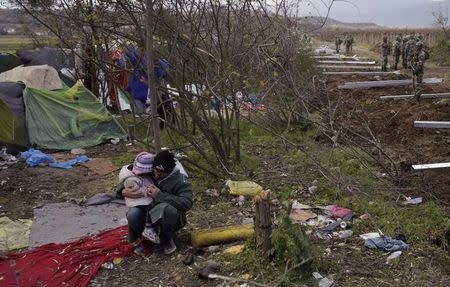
[(61, 119)]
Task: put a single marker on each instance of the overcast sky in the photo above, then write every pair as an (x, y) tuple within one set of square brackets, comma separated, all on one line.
[(400, 13)]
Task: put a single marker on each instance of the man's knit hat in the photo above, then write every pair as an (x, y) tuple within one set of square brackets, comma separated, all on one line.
[(143, 163), (164, 161)]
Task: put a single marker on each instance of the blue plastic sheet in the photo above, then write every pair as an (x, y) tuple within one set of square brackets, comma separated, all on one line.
[(34, 157), (385, 243), (70, 163)]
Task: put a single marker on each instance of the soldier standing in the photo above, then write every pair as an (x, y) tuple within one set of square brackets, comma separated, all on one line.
[(410, 51), (347, 45), (338, 43), (351, 43), (384, 53), (397, 51), (417, 66)]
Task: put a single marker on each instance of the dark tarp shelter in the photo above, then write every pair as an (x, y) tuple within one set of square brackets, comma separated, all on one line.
[(12, 115)]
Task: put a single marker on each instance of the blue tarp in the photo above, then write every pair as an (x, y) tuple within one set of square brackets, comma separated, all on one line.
[(34, 157)]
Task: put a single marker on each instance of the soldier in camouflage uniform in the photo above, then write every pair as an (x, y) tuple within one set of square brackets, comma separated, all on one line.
[(384, 53), (404, 52), (397, 51), (410, 51), (352, 40), (338, 43), (347, 44), (417, 66)]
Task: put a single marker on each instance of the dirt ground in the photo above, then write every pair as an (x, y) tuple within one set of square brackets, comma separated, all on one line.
[(390, 122)]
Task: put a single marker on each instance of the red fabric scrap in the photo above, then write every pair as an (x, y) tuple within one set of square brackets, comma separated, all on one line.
[(68, 264), (341, 212)]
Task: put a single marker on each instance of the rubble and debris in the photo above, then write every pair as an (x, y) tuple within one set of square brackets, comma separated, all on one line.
[(394, 255), (115, 141), (7, 159), (344, 234), (108, 266), (326, 282), (207, 268), (301, 216), (188, 259), (239, 201), (412, 201), (370, 235), (234, 250), (248, 220), (212, 193), (365, 216), (341, 212)]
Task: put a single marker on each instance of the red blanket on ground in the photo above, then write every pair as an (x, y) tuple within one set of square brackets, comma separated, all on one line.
[(69, 264)]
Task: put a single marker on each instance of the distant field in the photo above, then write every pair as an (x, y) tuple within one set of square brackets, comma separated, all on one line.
[(13, 43)]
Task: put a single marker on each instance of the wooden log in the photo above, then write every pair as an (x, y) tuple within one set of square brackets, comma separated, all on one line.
[(206, 237), (263, 221)]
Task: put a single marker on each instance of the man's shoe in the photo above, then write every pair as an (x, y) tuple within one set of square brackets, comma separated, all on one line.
[(170, 247), (144, 249), (151, 235)]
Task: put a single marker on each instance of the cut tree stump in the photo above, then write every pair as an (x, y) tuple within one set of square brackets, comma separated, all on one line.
[(263, 221)]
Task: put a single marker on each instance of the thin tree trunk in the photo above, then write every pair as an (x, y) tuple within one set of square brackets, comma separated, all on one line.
[(152, 76)]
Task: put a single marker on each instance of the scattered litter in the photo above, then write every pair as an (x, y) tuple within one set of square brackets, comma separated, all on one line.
[(284, 175), (301, 216), (6, 159), (239, 201), (234, 250), (248, 220), (212, 249), (108, 266), (246, 188), (370, 235), (298, 205), (394, 255), (14, 234), (77, 151), (3, 182), (212, 193), (344, 234), (317, 275), (325, 282), (117, 260), (115, 141), (365, 216), (387, 244), (340, 212), (207, 268), (188, 259), (320, 221), (412, 201), (313, 188)]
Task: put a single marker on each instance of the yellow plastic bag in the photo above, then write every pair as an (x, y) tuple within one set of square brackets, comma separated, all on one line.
[(245, 188)]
